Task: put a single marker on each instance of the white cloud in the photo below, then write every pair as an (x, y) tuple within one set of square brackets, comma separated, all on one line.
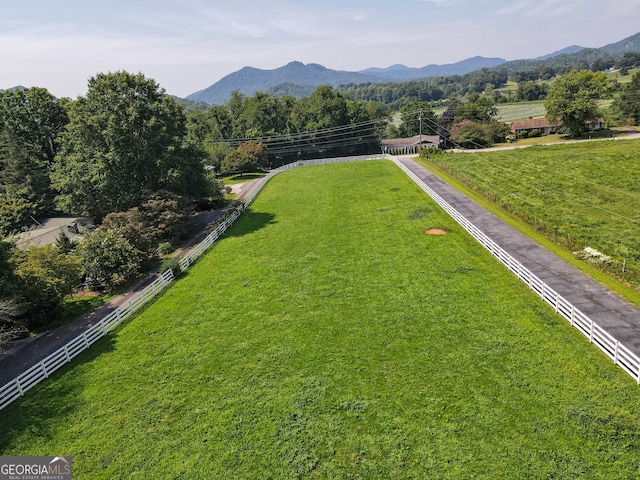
[(186, 45)]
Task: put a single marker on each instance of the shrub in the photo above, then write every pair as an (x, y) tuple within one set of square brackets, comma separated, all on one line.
[(429, 152), (45, 276), (497, 132), (471, 135), (165, 248), (162, 216), (171, 264), (107, 259)]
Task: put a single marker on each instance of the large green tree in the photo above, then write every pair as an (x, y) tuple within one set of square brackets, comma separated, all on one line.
[(480, 108), (325, 108), (23, 184), (248, 157), (572, 99), (263, 115), (35, 117), (31, 121), (417, 117), (124, 138), (627, 105)]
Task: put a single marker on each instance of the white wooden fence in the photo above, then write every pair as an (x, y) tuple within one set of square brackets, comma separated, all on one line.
[(621, 355), (43, 369)]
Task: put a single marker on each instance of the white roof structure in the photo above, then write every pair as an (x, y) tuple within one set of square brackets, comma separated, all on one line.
[(50, 228)]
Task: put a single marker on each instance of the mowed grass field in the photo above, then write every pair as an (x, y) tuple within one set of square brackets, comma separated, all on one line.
[(326, 336), (508, 112), (582, 194)]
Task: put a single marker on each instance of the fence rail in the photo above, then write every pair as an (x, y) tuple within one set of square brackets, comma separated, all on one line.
[(620, 354), (43, 369)]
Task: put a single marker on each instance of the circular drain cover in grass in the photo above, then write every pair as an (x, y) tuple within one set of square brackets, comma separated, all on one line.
[(435, 231)]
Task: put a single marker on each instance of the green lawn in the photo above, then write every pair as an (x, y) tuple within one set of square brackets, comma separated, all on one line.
[(507, 112), (326, 336), (623, 78), (584, 194)]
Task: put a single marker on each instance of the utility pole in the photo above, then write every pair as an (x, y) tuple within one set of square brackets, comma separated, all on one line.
[(420, 141)]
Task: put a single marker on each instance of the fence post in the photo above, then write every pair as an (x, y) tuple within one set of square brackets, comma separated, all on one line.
[(573, 311)]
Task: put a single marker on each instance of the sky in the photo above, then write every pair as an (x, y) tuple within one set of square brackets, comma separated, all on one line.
[(187, 45)]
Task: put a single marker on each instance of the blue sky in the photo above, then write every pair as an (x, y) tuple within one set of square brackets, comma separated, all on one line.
[(186, 45)]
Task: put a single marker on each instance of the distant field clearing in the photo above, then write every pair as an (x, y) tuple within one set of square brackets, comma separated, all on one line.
[(518, 111)]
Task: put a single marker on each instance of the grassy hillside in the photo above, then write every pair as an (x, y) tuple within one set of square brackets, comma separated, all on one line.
[(326, 336), (579, 195)]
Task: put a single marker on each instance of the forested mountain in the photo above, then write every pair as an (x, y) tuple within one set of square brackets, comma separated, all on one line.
[(571, 49), (401, 73), (249, 80), (299, 80), (629, 44)]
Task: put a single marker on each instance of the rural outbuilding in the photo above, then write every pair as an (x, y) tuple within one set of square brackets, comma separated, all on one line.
[(410, 145)]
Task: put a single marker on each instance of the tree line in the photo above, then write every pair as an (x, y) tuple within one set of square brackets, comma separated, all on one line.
[(528, 74), (140, 162), (122, 155), (132, 158), (285, 129)]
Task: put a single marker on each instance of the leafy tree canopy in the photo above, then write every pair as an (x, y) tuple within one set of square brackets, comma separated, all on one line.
[(125, 137), (36, 118), (30, 122), (45, 276), (248, 157), (480, 109), (627, 105), (107, 259), (162, 216), (417, 117), (572, 99)]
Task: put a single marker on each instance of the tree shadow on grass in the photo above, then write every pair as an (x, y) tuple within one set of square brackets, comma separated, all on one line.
[(250, 222), (47, 407), (245, 177)]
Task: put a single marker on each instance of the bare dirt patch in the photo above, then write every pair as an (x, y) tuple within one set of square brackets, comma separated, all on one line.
[(435, 231)]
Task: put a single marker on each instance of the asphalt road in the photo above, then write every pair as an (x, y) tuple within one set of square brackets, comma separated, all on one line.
[(607, 309), (617, 316), (21, 355)]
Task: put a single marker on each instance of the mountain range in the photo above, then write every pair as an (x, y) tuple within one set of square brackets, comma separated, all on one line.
[(299, 79), (249, 80)]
